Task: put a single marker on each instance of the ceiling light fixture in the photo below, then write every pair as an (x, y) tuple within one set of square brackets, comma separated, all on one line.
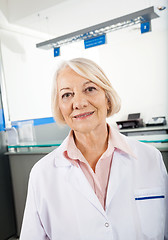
[(141, 16)]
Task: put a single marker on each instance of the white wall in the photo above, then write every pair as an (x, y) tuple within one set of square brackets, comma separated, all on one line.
[(136, 65), (27, 76)]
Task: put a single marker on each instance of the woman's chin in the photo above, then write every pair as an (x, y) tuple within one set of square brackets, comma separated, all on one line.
[(83, 128)]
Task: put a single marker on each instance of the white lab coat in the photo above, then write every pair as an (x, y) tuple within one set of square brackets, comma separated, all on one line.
[(61, 205)]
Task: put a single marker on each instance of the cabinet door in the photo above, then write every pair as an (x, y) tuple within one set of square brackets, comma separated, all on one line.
[(7, 216)]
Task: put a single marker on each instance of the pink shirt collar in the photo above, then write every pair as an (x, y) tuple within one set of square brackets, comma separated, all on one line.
[(116, 141)]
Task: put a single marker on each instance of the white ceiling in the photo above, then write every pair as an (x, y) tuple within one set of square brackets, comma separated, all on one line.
[(59, 17)]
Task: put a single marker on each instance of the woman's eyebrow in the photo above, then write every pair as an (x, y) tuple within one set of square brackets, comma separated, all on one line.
[(66, 88), (88, 82)]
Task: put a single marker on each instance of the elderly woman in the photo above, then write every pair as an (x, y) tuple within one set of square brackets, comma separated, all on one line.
[(99, 184)]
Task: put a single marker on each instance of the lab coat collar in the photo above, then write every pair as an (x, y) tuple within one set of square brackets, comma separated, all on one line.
[(121, 167), (119, 170), (78, 180), (119, 142), (59, 159)]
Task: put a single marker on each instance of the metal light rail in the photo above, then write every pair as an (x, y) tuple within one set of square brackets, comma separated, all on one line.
[(141, 16)]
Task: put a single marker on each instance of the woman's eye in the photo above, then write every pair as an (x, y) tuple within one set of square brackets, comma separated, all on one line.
[(66, 95), (90, 89)]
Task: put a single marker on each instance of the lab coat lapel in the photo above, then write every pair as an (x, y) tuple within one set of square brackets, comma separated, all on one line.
[(119, 170), (79, 181)]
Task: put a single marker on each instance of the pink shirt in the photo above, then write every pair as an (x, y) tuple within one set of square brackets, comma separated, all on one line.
[(98, 179)]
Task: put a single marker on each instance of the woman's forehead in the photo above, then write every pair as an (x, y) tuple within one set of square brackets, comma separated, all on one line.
[(69, 76)]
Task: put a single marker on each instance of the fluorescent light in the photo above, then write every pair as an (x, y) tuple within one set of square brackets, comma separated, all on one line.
[(141, 16)]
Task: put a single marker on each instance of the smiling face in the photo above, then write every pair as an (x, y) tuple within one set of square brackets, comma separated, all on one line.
[(82, 103)]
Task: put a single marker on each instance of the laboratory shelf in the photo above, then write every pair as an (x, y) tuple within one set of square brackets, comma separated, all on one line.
[(26, 145), (157, 136), (33, 148)]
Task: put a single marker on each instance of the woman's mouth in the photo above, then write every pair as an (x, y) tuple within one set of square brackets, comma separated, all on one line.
[(83, 115)]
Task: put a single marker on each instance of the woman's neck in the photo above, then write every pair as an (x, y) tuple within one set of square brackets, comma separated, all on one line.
[(93, 144)]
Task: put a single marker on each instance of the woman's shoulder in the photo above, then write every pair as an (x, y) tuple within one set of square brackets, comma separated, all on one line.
[(138, 146), (148, 157), (146, 154), (48, 162)]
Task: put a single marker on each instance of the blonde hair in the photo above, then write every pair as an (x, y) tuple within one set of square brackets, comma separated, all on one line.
[(91, 71)]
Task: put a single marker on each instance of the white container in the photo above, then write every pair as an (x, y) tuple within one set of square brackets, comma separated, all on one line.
[(12, 136), (26, 132)]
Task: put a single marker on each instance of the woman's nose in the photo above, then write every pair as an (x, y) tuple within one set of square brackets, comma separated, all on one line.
[(79, 101)]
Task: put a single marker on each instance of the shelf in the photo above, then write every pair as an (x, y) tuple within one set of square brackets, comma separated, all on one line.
[(51, 144), (140, 134), (162, 138), (35, 148), (30, 151)]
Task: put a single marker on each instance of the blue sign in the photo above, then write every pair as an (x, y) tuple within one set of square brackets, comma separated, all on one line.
[(145, 27), (95, 41), (2, 120), (56, 52), (36, 121)]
